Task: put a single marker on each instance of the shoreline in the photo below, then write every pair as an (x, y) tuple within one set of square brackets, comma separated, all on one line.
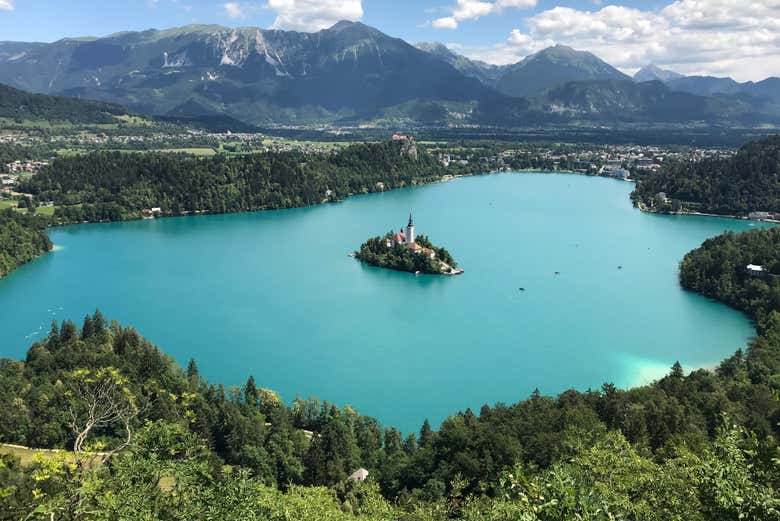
[(644, 208), (423, 182)]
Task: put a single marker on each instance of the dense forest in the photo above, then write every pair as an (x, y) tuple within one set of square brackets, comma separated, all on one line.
[(747, 182), (146, 439), (21, 239), (110, 186), (25, 106), (718, 270), (376, 252)]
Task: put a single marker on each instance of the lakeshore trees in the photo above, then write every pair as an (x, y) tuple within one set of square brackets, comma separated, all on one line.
[(717, 270), (21, 239), (111, 186)]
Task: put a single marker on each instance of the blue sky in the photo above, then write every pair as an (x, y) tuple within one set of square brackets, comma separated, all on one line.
[(719, 37)]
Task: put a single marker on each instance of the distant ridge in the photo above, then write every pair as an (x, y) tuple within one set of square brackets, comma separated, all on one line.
[(554, 66), (487, 73), (651, 72)]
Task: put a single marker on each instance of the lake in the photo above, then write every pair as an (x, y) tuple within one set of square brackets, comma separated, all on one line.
[(274, 294)]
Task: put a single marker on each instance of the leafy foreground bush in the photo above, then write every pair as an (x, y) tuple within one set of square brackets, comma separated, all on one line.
[(169, 473)]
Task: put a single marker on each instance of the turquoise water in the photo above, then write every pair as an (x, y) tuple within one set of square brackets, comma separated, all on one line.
[(274, 294)]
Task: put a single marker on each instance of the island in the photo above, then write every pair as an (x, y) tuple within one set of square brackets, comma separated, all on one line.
[(404, 250)]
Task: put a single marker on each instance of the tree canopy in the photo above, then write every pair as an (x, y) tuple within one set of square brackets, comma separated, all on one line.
[(718, 269), (111, 186), (21, 239)]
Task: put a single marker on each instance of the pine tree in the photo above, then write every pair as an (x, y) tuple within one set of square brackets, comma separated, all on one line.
[(426, 433), (393, 442), (68, 331), (98, 321), (251, 394), (192, 369), (410, 444), (53, 340), (88, 329)]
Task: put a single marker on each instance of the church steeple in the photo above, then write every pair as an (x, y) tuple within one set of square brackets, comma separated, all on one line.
[(410, 231)]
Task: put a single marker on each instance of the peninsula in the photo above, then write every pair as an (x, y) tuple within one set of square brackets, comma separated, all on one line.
[(404, 250)]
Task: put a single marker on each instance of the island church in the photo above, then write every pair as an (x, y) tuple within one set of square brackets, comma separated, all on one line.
[(407, 239)]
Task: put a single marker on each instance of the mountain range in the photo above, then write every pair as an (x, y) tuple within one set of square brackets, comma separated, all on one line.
[(352, 73)]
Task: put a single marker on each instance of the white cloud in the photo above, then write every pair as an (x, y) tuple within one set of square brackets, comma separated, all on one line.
[(234, 10), (474, 9), (517, 4), (6, 5), (718, 37), (447, 22), (313, 15)]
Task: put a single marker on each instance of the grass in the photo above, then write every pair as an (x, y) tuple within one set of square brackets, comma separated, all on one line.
[(205, 151), (320, 144), (195, 151), (27, 455), (48, 211), (8, 203), (134, 120)]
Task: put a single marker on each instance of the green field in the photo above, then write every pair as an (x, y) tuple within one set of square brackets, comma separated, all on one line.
[(8, 203), (195, 151), (27, 455), (320, 144), (46, 210), (204, 151)]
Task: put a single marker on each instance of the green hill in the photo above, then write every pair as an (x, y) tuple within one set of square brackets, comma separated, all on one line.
[(21, 239), (24, 106), (718, 270)]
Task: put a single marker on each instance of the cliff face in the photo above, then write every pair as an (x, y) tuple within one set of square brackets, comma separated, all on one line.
[(409, 149)]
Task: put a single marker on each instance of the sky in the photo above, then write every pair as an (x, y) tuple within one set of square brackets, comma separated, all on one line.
[(737, 38)]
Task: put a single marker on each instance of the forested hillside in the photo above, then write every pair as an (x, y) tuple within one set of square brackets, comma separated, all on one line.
[(21, 239), (748, 182), (718, 270), (117, 186), (24, 106)]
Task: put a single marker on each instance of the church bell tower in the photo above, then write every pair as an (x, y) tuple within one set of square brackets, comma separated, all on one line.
[(410, 231)]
